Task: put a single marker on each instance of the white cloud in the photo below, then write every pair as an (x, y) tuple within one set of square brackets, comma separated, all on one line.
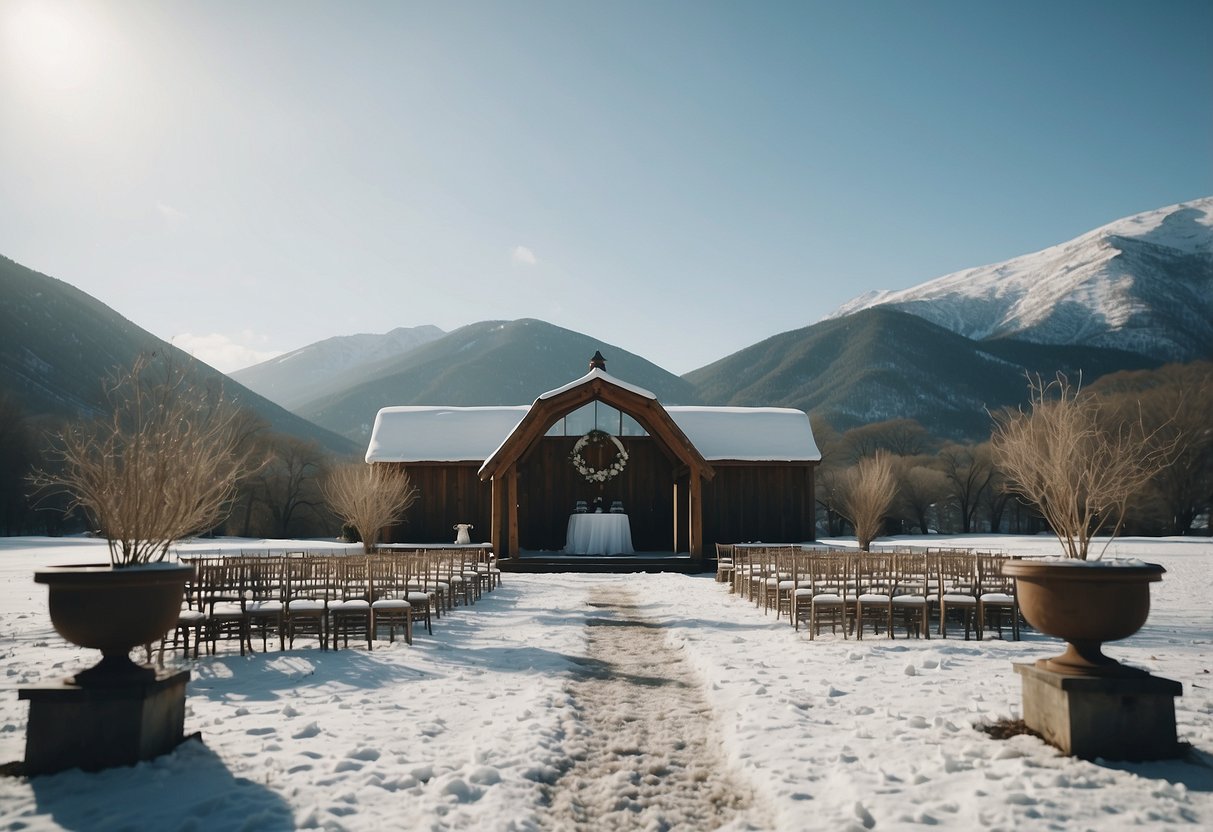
[(169, 212), (524, 256), (223, 352)]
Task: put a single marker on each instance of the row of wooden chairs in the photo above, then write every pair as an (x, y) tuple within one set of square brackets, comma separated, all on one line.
[(324, 596), (852, 590)]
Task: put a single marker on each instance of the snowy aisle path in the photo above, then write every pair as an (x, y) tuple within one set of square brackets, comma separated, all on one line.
[(643, 738)]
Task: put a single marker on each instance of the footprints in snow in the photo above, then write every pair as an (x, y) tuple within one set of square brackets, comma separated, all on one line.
[(641, 739)]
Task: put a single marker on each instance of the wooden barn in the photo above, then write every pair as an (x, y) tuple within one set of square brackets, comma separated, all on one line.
[(599, 466)]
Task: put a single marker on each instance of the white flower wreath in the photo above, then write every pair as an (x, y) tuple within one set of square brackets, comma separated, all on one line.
[(599, 474)]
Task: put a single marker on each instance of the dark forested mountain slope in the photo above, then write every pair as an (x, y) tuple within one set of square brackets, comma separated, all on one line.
[(58, 345), (880, 364), (488, 363)]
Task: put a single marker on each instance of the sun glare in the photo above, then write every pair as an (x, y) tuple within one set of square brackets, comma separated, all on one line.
[(50, 45)]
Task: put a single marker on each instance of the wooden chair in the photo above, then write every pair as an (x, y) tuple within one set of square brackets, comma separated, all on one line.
[(756, 576), (833, 598), (746, 571), (424, 599), (724, 564), (771, 561), (223, 599), (350, 608), (485, 569), (463, 585), (957, 589), (191, 622), (792, 568), (876, 581), (802, 593), (266, 590), (910, 596), (997, 600), (308, 589), (389, 597), (428, 577), (741, 570)]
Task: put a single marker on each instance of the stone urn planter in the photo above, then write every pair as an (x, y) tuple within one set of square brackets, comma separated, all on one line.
[(1085, 603), (117, 712), (1081, 462), (1083, 702), (114, 609)]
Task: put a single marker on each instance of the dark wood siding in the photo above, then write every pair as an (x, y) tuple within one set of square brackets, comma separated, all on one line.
[(549, 486), (773, 503), (449, 494)]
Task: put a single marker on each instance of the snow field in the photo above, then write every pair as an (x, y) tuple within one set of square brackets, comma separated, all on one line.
[(496, 722)]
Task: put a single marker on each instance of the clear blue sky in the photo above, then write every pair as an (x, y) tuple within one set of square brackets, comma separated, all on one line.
[(680, 179)]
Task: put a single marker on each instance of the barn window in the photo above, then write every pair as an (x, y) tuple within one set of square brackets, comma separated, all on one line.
[(596, 415)]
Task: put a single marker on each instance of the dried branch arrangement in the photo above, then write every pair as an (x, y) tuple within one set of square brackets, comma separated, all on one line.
[(164, 465), (1077, 460)]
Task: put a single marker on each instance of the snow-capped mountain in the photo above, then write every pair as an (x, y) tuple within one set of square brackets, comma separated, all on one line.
[(298, 376), (1142, 284)]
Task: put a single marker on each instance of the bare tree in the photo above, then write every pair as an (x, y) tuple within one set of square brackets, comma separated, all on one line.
[(902, 437), (288, 486), (829, 440), (830, 475), (994, 500), (969, 471), (829, 487), (369, 497), (165, 464), (919, 489), (1174, 402), (870, 491), (1077, 465)]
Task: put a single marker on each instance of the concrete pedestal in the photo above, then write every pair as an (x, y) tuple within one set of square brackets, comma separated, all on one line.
[(100, 727), (1114, 717)]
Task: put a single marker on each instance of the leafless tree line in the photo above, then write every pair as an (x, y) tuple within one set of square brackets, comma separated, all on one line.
[(172, 458), (1142, 417)]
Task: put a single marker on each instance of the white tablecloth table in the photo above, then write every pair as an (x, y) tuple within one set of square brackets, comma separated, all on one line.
[(599, 534)]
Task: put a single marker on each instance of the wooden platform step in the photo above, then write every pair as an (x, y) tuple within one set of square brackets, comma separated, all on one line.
[(623, 564)]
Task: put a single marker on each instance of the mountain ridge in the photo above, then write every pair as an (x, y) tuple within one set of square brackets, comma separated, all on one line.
[(880, 363), (290, 379), (1129, 295), (486, 363), (1142, 283), (58, 344)]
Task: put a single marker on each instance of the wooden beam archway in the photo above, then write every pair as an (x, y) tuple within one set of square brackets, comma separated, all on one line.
[(502, 467)]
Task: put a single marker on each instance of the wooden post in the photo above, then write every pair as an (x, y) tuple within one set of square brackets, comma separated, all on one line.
[(512, 509), (810, 489), (495, 524), (696, 523), (677, 518)]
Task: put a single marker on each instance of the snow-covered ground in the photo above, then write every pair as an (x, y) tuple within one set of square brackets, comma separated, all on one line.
[(495, 722)]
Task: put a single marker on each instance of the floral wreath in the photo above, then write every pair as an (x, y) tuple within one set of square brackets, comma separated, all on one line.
[(592, 474)]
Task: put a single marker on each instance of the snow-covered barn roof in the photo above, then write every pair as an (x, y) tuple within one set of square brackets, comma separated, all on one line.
[(748, 434), (441, 434), (472, 434)]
